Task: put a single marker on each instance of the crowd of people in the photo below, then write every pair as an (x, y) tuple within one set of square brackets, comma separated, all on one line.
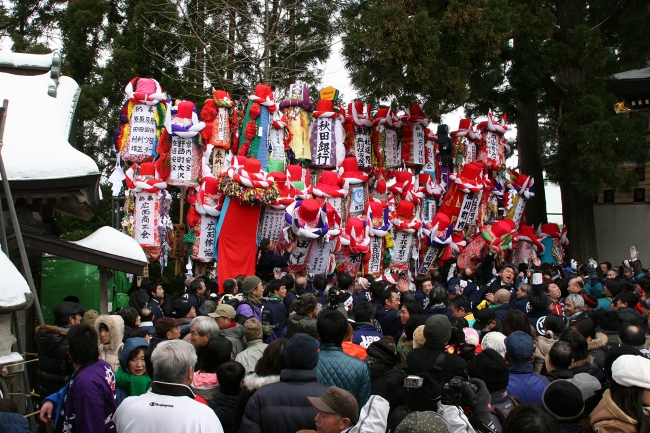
[(533, 348)]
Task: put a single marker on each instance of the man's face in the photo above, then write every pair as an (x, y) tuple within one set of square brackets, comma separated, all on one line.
[(192, 313), (426, 287), (160, 292), (520, 293), (330, 422), (404, 315), (258, 291), (196, 340), (282, 291), (174, 333), (75, 320), (457, 313), (570, 308), (554, 292), (574, 288), (223, 322), (620, 304), (201, 290), (611, 274), (393, 304), (507, 276)]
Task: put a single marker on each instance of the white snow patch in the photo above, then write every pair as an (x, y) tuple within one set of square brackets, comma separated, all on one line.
[(26, 60), (36, 132), (111, 241), (13, 286)]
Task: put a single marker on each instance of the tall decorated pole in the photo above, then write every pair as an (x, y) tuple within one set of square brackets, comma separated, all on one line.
[(297, 109), (255, 127), (326, 136), (221, 130)]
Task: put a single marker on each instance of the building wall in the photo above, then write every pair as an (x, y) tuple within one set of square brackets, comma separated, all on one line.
[(618, 227)]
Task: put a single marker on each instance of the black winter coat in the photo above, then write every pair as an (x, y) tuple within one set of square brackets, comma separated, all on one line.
[(382, 365), (424, 360), (54, 364), (283, 407), (224, 406)]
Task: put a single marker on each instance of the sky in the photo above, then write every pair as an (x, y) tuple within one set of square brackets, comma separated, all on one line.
[(336, 75)]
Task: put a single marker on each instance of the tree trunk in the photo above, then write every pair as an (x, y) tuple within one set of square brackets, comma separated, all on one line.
[(578, 214), (530, 159)]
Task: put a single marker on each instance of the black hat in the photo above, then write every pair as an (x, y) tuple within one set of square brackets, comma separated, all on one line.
[(564, 400), (483, 317), (491, 368), (608, 321), (66, 308), (181, 309), (301, 352)]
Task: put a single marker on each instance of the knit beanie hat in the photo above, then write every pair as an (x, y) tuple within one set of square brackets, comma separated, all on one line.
[(252, 329), (491, 368), (590, 300), (494, 340), (423, 422), (563, 400), (249, 284), (437, 330), (89, 317), (301, 352)]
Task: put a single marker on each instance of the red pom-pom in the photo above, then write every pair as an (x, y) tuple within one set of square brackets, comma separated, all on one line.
[(349, 137), (209, 111), (250, 131), (255, 110), (193, 217), (165, 143), (244, 149)]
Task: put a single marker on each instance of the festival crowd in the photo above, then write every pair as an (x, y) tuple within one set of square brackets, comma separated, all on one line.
[(533, 348)]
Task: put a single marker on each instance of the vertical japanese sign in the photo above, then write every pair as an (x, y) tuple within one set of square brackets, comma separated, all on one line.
[(401, 251), (418, 144), (181, 158), (299, 254), (207, 238), (470, 150), (272, 224), (430, 158), (220, 133), (493, 146), (429, 259), (276, 144), (362, 146), (146, 218), (465, 211), (376, 254), (218, 160), (393, 150), (324, 140), (143, 130), (319, 257)]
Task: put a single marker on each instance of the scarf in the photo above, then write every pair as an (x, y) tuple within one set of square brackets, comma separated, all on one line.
[(135, 385), (254, 300), (275, 298)]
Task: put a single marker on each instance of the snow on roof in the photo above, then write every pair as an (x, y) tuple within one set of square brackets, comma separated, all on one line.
[(36, 132), (634, 74), (111, 241), (14, 290), (35, 61)]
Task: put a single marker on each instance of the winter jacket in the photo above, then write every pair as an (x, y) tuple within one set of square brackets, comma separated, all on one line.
[(253, 352), (87, 403), (501, 311), (630, 315), (154, 306), (148, 326), (422, 298), (223, 406), (305, 324), (275, 313), (609, 418), (267, 262), (597, 349), (354, 350), (562, 373), (336, 368), (390, 322), (184, 327), (167, 407), (440, 310), (54, 365), (586, 365), (423, 360), (139, 299), (382, 365), (365, 334), (14, 423), (111, 352), (252, 382), (236, 336), (288, 300), (195, 300), (525, 384), (537, 318), (544, 344), (205, 385), (249, 309), (283, 407)]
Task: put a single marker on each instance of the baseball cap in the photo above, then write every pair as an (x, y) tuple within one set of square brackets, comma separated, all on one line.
[(224, 310), (339, 401), (519, 346), (67, 308), (483, 317), (165, 324)]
